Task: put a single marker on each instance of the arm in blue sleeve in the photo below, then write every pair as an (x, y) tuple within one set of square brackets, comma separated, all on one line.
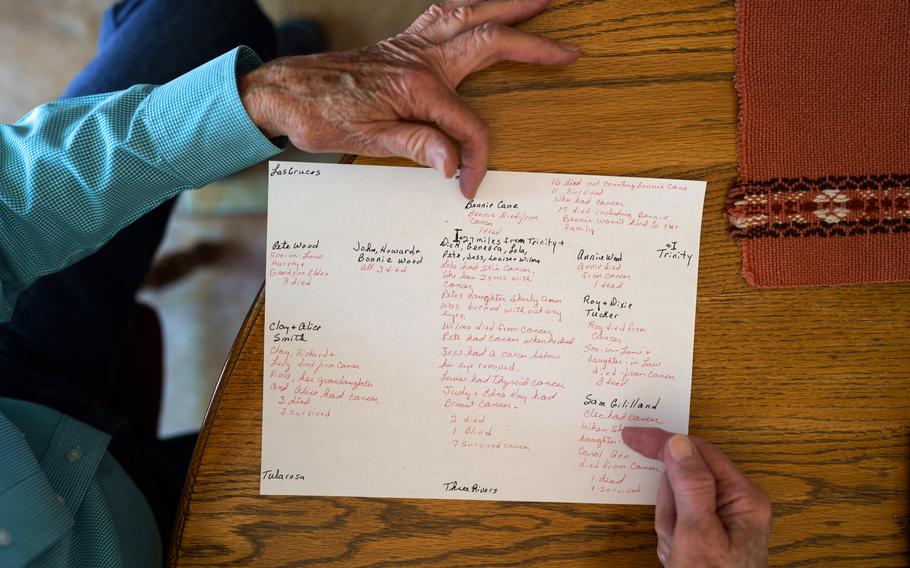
[(75, 172)]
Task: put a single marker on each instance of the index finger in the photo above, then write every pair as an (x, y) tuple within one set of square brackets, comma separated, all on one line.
[(464, 17), (437, 103), (490, 43)]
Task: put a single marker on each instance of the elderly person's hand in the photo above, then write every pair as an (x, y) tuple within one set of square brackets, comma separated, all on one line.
[(384, 100), (708, 513)]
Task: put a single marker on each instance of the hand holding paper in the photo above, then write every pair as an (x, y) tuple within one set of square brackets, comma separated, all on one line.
[(708, 512)]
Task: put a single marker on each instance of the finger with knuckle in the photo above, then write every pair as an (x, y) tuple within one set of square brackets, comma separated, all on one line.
[(695, 480), (462, 14), (433, 13), (415, 145), (487, 32), (700, 527), (478, 133), (436, 10)]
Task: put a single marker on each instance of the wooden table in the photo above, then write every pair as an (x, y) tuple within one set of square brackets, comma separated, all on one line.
[(806, 389)]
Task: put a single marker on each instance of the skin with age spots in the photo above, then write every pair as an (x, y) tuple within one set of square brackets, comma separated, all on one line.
[(397, 97)]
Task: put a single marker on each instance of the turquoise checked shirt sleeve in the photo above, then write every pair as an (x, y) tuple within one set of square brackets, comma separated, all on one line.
[(74, 172)]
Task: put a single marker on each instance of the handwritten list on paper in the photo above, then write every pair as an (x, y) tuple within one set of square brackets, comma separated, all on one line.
[(419, 344)]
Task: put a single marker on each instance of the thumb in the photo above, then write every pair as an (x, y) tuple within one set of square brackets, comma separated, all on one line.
[(693, 484)]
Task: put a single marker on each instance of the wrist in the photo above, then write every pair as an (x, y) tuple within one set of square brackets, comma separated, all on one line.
[(255, 96)]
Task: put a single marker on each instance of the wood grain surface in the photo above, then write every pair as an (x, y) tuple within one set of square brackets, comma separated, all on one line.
[(806, 389)]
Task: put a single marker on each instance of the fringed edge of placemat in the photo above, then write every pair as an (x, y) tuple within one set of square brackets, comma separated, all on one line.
[(830, 230)]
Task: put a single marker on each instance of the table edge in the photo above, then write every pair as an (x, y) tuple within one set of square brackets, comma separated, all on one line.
[(214, 404)]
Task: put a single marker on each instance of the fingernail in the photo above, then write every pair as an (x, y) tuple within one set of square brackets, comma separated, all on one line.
[(680, 447), (570, 47)]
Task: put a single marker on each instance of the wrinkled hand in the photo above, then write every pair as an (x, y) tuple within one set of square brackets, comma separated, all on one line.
[(381, 100), (708, 513)]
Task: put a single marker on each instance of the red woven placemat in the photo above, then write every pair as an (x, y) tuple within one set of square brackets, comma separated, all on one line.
[(823, 196)]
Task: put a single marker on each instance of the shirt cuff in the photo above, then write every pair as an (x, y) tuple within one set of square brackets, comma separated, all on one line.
[(211, 136)]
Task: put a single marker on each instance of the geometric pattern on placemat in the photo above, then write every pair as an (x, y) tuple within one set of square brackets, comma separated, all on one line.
[(829, 206)]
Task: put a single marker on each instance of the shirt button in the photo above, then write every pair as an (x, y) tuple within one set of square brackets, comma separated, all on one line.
[(74, 454), (6, 539), (61, 500)]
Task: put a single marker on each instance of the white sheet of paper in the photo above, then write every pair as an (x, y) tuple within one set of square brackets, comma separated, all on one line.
[(420, 345)]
